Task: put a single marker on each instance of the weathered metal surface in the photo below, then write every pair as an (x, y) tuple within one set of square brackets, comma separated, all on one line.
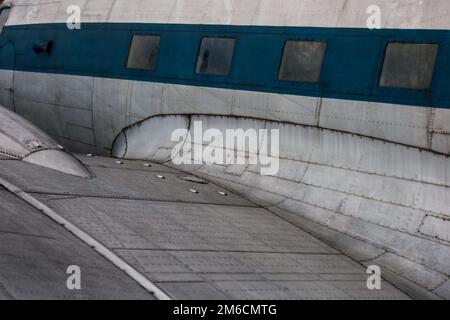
[(382, 203), (86, 113), (95, 110), (35, 254), (359, 175), (315, 13), (20, 139), (195, 246)]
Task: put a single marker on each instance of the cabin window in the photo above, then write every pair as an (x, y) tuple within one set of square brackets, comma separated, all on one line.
[(409, 66), (143, 52), (215, 56), (302, 61)]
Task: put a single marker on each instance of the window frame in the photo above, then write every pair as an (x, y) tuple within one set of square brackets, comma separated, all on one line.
[(382, 61), (232, 60), (297, 82), (130, 43), (411, 95)]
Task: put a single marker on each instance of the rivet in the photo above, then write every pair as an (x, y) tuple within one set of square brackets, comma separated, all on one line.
[(148, 165), (118, 162), (160, 176), (222, 193), (193, 190), (89, 155)]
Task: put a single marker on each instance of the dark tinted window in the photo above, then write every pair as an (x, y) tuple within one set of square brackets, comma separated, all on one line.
[(302, 61), (143, 52), (409, 65), (215, 56)]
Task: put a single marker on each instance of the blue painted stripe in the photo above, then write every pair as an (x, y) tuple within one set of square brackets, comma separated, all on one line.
[(351, 69)]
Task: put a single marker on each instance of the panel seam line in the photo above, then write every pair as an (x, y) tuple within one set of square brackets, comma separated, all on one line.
[(87, 239)]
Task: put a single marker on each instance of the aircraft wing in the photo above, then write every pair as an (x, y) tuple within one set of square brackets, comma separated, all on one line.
[(188, 237)]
